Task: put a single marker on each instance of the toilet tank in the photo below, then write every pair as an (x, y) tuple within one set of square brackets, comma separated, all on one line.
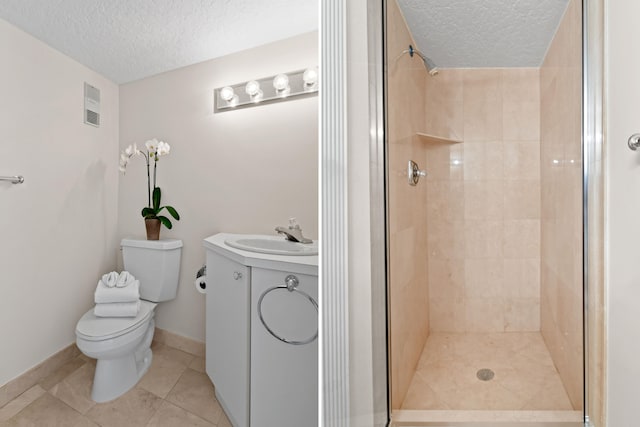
[(156, 263)]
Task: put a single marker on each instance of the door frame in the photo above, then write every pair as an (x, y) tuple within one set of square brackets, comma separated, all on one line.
[(593, 209)]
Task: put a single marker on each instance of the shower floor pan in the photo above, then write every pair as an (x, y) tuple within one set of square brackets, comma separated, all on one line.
[(454, 384)]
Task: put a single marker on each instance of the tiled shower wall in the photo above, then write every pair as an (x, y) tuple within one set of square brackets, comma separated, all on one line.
[(408, 295), (483, 210), (561, 168)]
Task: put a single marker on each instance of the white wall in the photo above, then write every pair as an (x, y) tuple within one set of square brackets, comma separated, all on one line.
[(243, 171), (58, 227), (622, 268)]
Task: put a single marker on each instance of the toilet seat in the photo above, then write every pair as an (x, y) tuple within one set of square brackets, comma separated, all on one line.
[(93, 328)]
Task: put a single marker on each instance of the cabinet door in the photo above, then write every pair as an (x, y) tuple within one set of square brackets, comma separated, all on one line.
[(284, 376), (228, 334)]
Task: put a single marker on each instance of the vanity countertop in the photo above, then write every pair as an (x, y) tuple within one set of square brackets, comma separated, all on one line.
[(306, 264)]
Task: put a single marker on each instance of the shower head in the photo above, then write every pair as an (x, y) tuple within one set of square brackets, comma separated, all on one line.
[(431, 67)]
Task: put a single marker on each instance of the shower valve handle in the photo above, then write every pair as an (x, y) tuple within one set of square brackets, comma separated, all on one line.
[(414, 173)]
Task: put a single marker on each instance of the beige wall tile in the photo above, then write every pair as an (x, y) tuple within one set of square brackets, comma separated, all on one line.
[(447, 315), (521, 278), (409, 241), (188, 345), (446, 239), (444, 105), (484, 314), (446, 200), (61, 373), (521, 160), (521, 104), (483, 239), (438, 163), (483, 160), (484, 200), (446, 278), (522, 314), (522, 199), (500, 161), (482, 105), (561, 203), (483, 278), (522, 238), (402, 268), (198, 364)]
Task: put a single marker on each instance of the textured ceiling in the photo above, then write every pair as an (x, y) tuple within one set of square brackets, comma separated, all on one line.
[(126, 40), (483, 33)]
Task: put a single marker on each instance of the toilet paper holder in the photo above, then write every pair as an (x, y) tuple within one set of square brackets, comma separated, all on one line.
[(201, 272), (200, 282)]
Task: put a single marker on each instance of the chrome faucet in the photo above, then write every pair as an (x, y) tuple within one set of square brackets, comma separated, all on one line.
[(293, 232)]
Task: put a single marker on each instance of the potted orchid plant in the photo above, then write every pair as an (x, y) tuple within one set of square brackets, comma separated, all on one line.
[(152, 212)]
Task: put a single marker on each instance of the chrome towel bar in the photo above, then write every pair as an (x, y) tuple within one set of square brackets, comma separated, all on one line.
[(18, 179)]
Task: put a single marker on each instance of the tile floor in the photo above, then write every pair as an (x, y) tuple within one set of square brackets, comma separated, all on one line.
[(175, 391), (525, 376)]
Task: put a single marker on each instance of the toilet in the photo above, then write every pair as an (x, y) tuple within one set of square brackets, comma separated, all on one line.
[(122, 345)]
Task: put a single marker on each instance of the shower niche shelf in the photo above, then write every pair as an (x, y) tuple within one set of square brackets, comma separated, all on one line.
[(433, 139)]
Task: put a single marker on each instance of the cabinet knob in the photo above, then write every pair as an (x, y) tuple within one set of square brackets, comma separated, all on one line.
[(237, 275)]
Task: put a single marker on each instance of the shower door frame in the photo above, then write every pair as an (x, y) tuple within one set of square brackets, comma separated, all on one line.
[(593, 210)]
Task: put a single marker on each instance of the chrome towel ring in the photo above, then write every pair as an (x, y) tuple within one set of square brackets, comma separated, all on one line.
[(291, 284)]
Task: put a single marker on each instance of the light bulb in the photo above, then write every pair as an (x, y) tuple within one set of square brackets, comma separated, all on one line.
[(310, 77), (257, 97), (252, 88), (281, 82), (226, 93)]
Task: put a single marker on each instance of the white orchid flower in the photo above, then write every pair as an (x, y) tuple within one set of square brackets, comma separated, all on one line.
[(124, 161), (152, 145), (163, 148)]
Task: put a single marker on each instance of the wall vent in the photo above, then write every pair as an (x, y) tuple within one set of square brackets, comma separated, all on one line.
[(91, 105)]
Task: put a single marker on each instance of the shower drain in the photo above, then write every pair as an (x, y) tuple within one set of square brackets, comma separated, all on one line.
[(485, 374)]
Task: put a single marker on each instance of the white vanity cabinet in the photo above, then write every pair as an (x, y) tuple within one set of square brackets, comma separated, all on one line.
[(261, 335), (228, 326), (284, 360)]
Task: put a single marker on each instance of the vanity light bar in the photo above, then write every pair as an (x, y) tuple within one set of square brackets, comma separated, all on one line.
[(282, 87)]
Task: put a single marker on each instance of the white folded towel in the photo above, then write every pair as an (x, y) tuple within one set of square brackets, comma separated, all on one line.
[(110, 279), (117, 309), (125, 279), (104, 294)]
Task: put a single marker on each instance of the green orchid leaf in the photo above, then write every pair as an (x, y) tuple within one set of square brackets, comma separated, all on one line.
[(174, 213), (156, 199), (164, 220), (148, 212)]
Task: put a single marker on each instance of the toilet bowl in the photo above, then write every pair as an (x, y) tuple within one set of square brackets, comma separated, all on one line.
[(122, 347)]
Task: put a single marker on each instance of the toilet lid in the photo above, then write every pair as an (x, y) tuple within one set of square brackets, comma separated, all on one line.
[(94, 328)]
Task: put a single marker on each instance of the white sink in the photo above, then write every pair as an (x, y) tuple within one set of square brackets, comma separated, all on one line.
[(272, 245)]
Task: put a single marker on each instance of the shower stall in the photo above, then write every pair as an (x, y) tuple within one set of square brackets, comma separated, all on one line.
[(485, 235)]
